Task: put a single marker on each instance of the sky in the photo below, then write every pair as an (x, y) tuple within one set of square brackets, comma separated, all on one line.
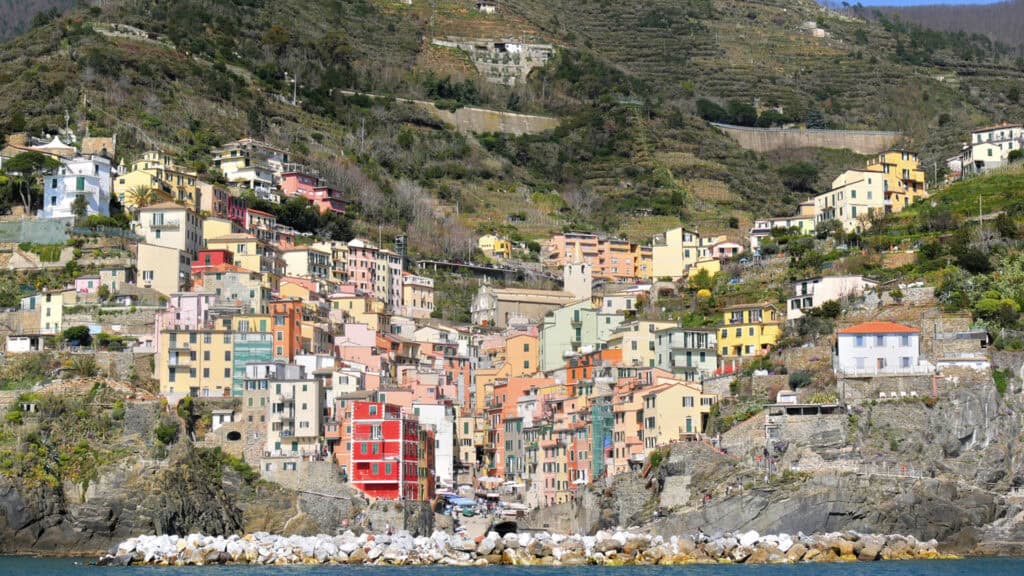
[(919, 2)]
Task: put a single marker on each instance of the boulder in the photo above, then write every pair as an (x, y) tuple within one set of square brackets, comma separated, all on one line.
[(748, 539), (796, 552), (358, 556)]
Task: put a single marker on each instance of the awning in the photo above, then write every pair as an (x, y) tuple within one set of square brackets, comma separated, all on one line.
[(463, 502), (489, 480), (494, 495), (579, 481)]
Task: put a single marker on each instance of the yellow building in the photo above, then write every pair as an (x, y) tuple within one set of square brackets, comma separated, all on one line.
[(889, 183), (249, 252), (673, 252), (674, 410), (417, 296), (747, 331), (243, 323), (358, 309), (219, 227), (636, 340), (157, 171), (712, 265), (195, 363), (495, 246)]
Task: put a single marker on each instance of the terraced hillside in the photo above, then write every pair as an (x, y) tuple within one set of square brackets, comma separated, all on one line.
[(631, 156)]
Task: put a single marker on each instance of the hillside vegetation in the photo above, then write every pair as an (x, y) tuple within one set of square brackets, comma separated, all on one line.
[(1001, 21), (629, 80)]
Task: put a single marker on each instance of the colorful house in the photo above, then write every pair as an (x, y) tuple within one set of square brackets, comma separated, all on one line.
[(747, 331)]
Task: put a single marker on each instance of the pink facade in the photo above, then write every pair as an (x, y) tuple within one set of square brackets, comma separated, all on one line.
[(362, 265), (87, 284), (311, 188)]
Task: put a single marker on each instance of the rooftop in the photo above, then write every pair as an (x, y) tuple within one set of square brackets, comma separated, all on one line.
[(877, 327)]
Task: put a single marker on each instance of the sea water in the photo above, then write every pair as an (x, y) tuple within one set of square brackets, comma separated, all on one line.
[(23, 566)]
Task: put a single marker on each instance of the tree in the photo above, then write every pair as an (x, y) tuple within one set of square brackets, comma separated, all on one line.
[(80, 206), (702, 280), (27, 166), (741, 113), (79, 334), (799, 176), (141, 196)]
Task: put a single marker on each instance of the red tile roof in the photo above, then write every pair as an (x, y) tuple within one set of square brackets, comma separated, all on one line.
[(878, 328)]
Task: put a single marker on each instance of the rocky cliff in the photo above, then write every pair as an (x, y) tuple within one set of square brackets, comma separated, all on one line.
[(177, 496), (948, 469)]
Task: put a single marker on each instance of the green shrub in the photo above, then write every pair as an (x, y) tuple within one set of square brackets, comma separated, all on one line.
[(1002, 380), (799, 379), (167, 432)]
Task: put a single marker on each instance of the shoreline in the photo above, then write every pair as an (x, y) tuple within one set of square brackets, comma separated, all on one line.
[(606, 548)]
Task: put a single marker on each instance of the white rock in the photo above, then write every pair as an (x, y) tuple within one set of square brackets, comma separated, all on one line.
[(749, 538)]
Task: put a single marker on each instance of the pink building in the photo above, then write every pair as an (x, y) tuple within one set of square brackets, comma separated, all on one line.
[(185, 311), (87, 284), (362, 265), (310, 187), (609, 258)]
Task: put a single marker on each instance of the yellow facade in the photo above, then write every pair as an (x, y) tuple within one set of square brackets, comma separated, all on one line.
[(495, 246), (219, 227), (362, 310), (251, 323), (673, 252), (712, 265), (636, 340), (195, 362), (748, 331), (155, 170), (674, 410)]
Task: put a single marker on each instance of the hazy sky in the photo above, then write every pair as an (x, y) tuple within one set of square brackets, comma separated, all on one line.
[(917, 2)]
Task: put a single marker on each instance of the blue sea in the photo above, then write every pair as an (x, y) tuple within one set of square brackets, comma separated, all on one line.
[(20, 566)]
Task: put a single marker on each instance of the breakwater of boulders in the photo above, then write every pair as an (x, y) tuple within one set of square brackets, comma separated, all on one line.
[(619, 547)]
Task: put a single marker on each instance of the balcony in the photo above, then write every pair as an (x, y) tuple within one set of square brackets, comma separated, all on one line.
[(169, 224), (287, 433), (178, 346)]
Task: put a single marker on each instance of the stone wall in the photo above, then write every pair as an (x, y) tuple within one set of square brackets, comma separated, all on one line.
[(744, 436), (139, 321), (769, 139), (857, 390), (815, 431)]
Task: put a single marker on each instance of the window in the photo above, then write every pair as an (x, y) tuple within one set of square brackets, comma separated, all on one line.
[(905, 362), (687, 401), (859, 363), (879, 341), (905, 340), (373, 409), (858, 341), (376, 469)]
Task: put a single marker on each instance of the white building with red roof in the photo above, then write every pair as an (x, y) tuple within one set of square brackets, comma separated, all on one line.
[(879, 348)]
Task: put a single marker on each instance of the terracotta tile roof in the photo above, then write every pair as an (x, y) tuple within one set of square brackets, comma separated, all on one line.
[(878, 328)]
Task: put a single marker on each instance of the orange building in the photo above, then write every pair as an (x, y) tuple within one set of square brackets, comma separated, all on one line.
[(610, 258), (286, 327), (582, 367)]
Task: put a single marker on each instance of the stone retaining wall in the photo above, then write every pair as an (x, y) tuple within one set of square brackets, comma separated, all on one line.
[(769, 139)]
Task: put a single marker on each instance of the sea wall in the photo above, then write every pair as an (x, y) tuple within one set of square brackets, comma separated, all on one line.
[(613, 548), (769, 139)]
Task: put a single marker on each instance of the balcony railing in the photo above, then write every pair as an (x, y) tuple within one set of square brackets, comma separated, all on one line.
[(174, 224)]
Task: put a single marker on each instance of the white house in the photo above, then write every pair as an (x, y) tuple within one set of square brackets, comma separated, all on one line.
[(990, 147), (879, 348), (813, 292), (87, 176), (442, 418)]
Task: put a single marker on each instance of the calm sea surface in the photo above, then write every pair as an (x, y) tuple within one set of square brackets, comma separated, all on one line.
[(11, 566)]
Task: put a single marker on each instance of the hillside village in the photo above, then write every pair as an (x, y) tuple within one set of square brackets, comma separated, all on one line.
[(625, 316), (303, 353)]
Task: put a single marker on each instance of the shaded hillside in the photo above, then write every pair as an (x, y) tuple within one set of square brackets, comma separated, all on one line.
[(1002, 21), (16, 16)]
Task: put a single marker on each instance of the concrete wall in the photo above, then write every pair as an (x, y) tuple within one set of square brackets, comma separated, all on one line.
[(824, 431), (768, 139), (50, 231), (856, 390), (469, 120), (479, 120)]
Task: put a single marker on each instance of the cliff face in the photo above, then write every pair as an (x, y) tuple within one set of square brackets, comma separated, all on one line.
[(179, 496), (951, 471)]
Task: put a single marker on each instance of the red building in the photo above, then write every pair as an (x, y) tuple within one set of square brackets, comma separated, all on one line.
[(384, 461), (236, 209), (211, 258)]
